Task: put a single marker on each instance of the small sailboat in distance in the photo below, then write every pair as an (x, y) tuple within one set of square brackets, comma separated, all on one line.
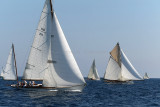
[(51, 59), (146, 76), (1, 75), (93, 74), (119, 68), (10, 71)]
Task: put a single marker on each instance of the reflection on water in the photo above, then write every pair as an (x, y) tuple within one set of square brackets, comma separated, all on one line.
[(39, 93)]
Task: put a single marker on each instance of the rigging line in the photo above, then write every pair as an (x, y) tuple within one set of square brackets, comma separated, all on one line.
[(42, 18), (39, 46), (45, 12), (43, 70), (42, 44), (36, 48)]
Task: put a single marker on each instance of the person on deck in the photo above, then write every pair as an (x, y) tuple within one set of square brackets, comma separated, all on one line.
[(33, 83), (30, 84), (25, 83)]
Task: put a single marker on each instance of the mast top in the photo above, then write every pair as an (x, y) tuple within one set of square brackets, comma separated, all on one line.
[(51, 8)]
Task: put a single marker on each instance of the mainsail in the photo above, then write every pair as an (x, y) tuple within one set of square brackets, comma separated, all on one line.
[(93, 74), (146, 76), (35, 66), (9, 72), (121, 70), (51, 58)]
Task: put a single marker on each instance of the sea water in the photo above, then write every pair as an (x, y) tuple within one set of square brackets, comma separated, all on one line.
[(95, 94)]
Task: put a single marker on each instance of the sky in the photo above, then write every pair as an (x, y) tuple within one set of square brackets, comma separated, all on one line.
[(92, 29)]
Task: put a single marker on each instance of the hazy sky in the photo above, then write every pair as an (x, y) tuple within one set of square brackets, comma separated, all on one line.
[(92, 28)]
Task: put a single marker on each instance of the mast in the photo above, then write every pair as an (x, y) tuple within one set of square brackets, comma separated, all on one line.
[(51, 8), (15, 62)]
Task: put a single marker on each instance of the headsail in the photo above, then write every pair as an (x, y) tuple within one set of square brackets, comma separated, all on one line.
[(35, 66), (93, 74), (120, 68), (9, 72), (113, 71), (62, 69)]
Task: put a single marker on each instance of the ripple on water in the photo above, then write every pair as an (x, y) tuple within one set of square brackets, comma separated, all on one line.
[(95, 94)]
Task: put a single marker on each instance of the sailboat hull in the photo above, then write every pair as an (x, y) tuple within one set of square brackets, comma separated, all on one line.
[(93, 79), (116, 81), (77, 88)]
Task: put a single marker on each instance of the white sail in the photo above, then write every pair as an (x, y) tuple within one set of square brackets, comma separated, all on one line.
[(9, 72), (93, 74), (127, 70), (146, 76), (37, 60), (113, 71), (2, 72), (61, 69), (121, 70)]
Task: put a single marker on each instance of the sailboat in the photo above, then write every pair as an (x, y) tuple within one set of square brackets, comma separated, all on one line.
[(1, 75), (10, 71), (146, 76), (119, 67), (93, 74), (51, 59)]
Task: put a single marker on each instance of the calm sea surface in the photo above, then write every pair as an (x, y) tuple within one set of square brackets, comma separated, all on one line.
[(95, 94)]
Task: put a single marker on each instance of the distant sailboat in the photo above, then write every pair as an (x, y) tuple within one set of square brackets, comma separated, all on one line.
[(146, 76), (119, 67), (10, 71), (51, 59), (1, 76), (93, 74)]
